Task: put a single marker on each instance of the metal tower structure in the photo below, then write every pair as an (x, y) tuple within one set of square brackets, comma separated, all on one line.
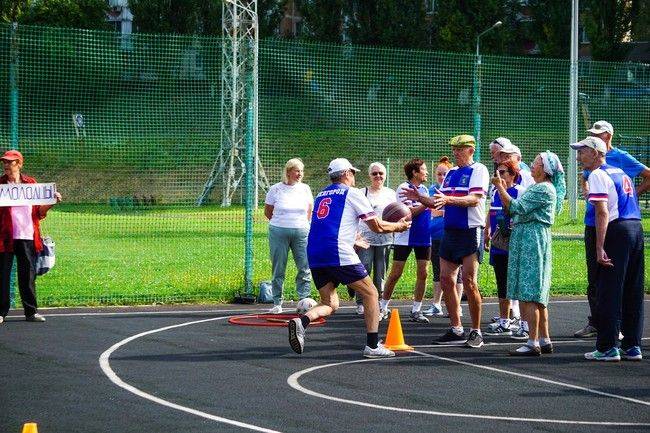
[(239, 95)]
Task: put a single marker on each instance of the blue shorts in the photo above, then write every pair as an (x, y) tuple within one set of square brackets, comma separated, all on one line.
[(457, 244), (338, 275)]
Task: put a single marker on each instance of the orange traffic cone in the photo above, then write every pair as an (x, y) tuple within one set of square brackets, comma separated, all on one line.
[(30, 427), (395, 337)]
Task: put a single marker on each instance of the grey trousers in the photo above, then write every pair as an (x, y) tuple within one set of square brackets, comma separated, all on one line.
[(281, 240), (375, 260)]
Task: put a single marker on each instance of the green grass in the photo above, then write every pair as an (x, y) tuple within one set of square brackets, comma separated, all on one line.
[(197, 255)]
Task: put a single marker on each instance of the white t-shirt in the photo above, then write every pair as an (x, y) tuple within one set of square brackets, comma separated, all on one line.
[(379, 200), (290, 204)]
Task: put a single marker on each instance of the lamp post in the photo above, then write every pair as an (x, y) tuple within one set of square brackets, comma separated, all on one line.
[(477, 90)]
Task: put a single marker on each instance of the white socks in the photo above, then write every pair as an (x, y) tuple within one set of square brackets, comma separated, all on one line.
[(417, 306), (383, 304), (514, 306)]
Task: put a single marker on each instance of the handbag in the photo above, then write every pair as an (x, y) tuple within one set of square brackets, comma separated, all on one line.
[(501, 236), (46, 258)]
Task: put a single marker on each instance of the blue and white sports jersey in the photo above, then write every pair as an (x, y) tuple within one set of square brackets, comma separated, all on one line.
[(460, 182), (611, 184), (334, 223), (418, 235), (623, 160)]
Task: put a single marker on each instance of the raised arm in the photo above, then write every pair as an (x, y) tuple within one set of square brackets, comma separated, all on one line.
[(381, 226)]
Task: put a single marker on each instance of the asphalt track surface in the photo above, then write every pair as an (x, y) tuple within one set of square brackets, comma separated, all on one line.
[(186, 369)]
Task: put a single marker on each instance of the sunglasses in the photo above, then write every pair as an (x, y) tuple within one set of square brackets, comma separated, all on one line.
[(377, 173)]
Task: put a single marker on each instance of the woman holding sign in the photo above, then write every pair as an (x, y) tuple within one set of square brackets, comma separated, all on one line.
[(20, 236)]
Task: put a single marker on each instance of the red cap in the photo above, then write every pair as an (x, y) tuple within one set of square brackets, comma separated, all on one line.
[(12, 155)]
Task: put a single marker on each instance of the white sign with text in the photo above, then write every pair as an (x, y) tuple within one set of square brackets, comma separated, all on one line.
[(24, 194)]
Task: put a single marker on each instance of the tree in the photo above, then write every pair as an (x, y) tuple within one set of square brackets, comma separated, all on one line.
[(269, 14), (322, 19), (640, 12), (84, 14), (390, 23), (550, 27), (194, 17), (607, 23), (457, 23)]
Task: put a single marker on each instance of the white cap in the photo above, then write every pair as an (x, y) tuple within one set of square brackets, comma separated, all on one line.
[(602, 126), (340, 164), (511, 149), (591, 142), (503, 142)]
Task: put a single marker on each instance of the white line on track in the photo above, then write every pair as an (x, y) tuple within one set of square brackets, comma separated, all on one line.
[(104, 363), (51, 312), (510, 343), (294, 383)]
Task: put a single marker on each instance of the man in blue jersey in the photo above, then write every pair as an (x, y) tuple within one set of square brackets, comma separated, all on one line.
[(612, 209), (463, 197), (416, 239), (633, 168), (332, 259)]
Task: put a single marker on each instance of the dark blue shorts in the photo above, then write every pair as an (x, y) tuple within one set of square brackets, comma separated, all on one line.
[(457, 244), (402, 252), (338, 275)]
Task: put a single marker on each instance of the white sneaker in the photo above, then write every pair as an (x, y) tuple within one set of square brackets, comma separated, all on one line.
[(360, 309), (383, 314), (296, 335), (277, 309), (379, 352)]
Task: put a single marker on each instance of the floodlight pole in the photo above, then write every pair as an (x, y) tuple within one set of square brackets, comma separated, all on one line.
[(477, 91), (572, 176), (239, 88)]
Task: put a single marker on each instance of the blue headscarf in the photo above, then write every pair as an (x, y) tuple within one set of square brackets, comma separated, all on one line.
[(553, 168)]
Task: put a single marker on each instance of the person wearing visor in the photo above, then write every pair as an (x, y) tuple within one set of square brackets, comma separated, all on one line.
[(20, 237), (375, 258), (613, 212), (632, 168), (333, 260)]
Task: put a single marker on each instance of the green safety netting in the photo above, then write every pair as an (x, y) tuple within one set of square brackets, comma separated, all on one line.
[(130, 128)]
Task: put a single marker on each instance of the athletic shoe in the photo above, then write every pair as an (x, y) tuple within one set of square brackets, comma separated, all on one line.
[(546, 348), (379, 352), (610, 355), (433, 310), (631, 354), (447, 314), (383, 314), (450, 338), (520, 334), (529, 351), (277, 309), (417, 316), (2, 319), (475, 339), (360, 309), (495, 319), (586, 332), (35, 318), (497, 329), (296, 335)]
